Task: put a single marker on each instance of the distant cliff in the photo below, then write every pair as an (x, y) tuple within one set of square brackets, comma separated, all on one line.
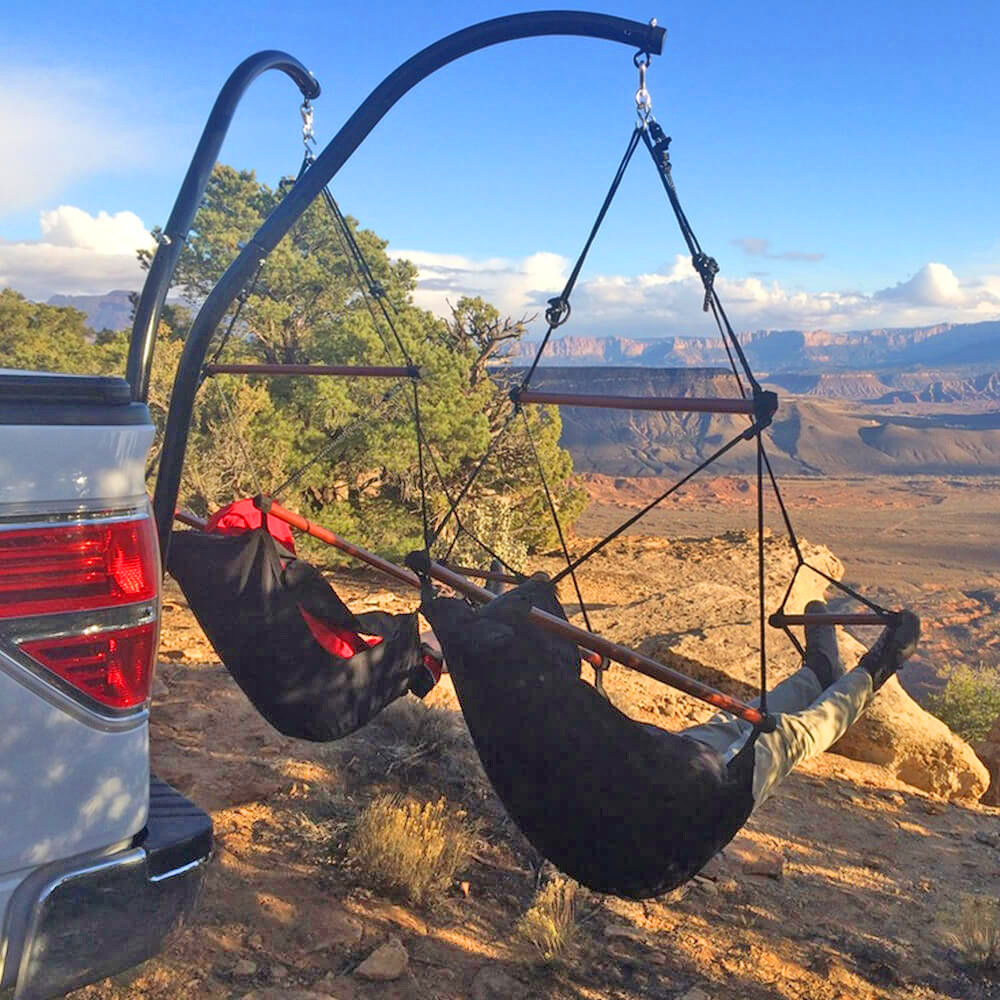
[(946, 344), (810, 435)]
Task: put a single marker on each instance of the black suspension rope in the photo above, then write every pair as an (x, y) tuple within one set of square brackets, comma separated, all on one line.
[(372, 291), (760, 573), (555, 518), (559, 307), (658, 144), (715, 456), (241, 302), (336, 438)]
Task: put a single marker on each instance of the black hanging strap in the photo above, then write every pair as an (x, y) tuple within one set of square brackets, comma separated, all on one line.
[(559, 307)]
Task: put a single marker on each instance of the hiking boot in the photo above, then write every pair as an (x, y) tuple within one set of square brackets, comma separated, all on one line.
[(822, 655), (896, 644)]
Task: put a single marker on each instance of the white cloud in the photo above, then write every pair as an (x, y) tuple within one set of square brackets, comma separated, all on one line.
[(69, 226), (59, 126), (933, 285), (515, 286), (668, 301), (78, 254)]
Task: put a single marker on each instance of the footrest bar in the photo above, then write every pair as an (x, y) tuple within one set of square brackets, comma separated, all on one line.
[(779, 620)]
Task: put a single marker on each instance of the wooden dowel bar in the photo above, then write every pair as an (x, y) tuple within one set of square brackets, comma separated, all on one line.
[(666, 404), (369, 371), (861, 618), (598, 646)]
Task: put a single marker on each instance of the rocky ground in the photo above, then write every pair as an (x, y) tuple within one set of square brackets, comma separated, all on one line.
[(842, 887)]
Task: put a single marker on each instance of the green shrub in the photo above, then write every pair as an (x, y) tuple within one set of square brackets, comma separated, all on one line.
[(416, 849), (969, 703)]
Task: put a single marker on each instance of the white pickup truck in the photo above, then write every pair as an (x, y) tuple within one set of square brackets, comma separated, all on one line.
[(98, 861)]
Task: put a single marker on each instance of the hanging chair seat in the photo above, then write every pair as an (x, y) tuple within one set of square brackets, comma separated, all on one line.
[(621, 806), (313, 669)]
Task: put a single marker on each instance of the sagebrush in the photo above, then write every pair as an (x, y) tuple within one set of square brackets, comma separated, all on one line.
[(409, 847), (973, 928), (548, 927)]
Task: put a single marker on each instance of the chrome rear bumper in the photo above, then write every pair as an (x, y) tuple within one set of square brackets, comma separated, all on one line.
[(77, 924)]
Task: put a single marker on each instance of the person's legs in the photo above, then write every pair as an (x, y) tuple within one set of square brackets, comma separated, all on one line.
[(802, 734), (808, 718), (821, 666)]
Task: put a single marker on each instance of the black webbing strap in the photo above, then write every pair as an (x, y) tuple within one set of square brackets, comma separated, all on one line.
[(658, 144), (559, 307), (762, 610)]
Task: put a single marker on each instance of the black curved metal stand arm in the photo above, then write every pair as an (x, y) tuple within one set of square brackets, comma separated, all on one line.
[(644, 37), (161, 270)]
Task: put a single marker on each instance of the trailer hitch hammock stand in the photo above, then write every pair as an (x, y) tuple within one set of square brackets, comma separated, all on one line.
[(647, 39)]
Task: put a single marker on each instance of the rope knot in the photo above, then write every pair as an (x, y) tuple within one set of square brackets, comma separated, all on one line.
[(557, 312), (708, 268)]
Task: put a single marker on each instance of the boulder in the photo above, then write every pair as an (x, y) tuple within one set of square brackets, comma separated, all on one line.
[(911, 743), (387, 962), (988, 751)]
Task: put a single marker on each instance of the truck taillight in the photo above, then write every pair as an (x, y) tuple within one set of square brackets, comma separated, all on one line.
[(77, 567), (114, 668)]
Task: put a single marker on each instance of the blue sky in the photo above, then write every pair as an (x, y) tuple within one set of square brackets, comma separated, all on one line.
[(838, 160)]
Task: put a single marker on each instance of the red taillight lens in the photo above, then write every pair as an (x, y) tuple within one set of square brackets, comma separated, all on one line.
[(76, 567), (114, 668)]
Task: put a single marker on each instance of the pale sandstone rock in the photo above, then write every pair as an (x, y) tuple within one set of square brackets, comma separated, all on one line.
[(912, 744), (387, 962)]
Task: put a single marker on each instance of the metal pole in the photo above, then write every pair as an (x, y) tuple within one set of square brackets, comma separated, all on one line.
[(161, 270), (645, 37), (587, 640)]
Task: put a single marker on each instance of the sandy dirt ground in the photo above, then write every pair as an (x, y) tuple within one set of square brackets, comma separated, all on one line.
[(864, 872)]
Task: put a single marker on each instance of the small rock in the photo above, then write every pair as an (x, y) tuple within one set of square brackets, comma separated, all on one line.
[(893, 796), (728, 885), (695, 994), (706, 886), (387, 962), (491, 983), (466, 888), (278, 973), (256, 942), (768, 863), (933, 808), (339, 930), (990, 839), (160, 689), (618, 931), (245, 967)]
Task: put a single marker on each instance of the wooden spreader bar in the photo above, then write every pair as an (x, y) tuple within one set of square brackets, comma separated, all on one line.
[(666, 404), (779, 620), (597, 646), (363, 371)]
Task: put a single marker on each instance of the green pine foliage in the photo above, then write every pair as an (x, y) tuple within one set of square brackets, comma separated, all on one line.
[(969, 702), (250, 434)]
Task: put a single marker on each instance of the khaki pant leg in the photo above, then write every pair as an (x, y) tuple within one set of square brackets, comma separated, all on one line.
[(804, 733), (726, 734)]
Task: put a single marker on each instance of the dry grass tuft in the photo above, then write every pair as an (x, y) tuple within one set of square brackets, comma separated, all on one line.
[(415, 849), (548, 927), (974, 930)]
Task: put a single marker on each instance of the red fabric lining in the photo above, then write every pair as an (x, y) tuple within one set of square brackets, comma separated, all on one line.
[(341, 642), (242, 516)]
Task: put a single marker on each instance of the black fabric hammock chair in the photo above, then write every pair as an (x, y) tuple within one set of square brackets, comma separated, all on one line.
[(621, 806), (272, 617)]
